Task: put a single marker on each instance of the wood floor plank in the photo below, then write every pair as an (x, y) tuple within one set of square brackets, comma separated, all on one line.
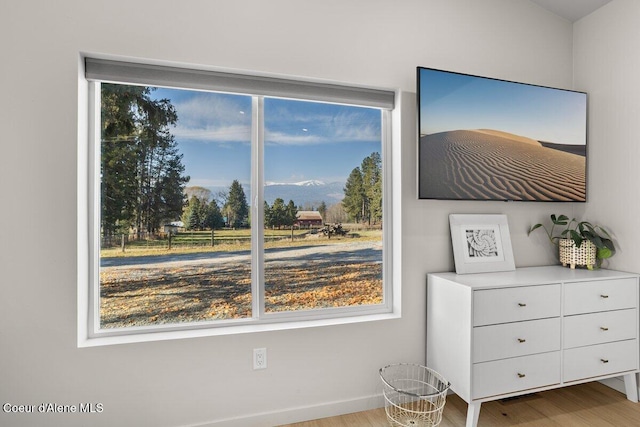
[(584, 405)]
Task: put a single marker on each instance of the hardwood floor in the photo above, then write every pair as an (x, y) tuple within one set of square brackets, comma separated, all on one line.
[(590, 405)]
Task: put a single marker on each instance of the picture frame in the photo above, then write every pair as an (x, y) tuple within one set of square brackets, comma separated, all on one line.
[(481, 243)]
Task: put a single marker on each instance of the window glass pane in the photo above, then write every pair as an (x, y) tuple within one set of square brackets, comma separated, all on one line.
[(323, 205), (175, 168)]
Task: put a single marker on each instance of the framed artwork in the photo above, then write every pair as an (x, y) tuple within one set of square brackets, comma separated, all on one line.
[(499, 131), (481, 243)]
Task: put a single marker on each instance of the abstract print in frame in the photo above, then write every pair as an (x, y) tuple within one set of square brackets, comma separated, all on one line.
[(481, 243)]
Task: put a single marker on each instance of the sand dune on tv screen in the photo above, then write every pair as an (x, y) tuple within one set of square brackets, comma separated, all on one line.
[(489, 164)]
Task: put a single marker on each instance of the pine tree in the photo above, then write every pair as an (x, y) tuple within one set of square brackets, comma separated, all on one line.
[(142, 184), (213, 216), (191, 217), (372, 184), (323, 210), (278, 213), (363, 191), (118, 157), (354, 196), (268, 221), (291, 214), (236, 207)]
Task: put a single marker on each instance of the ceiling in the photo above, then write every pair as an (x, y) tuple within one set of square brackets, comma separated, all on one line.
[(572, 10)]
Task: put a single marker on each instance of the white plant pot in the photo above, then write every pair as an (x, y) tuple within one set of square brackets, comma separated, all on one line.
[(571, 255)]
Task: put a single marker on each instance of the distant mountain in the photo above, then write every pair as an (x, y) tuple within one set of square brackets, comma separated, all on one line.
[(309, 193), (305, 192), (310, 183)]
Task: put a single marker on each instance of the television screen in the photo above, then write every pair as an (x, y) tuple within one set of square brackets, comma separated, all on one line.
[(488, 139)]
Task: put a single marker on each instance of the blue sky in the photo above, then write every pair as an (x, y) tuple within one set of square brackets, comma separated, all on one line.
[(450, 101), (304, 140)]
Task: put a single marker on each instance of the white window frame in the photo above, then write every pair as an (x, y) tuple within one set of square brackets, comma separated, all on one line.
[(95, 69)]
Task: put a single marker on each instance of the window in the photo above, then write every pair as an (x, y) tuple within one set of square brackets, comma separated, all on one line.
[(224, 199)]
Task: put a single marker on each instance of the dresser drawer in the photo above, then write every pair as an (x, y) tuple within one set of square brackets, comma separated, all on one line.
[(602, 359), (515, 339), (600, 295), (599, 328), (492, 306), (515, 374)]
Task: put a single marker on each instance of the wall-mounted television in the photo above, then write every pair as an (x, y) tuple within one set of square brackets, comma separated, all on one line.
[(482, 138)]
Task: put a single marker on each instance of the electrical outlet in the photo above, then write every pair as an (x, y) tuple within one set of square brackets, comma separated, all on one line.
[(259, 358)]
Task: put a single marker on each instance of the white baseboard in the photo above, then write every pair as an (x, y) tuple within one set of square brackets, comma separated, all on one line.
[(299, 414), (329, 409)]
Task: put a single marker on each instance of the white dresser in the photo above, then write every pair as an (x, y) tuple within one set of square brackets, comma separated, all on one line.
[(496, 335)]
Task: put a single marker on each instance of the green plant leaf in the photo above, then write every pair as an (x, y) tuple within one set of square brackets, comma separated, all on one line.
[(608, 243), (603, 231), (604, 253), (597, 240), (561, 220), (576, 237), (533, 228), (577, 232)]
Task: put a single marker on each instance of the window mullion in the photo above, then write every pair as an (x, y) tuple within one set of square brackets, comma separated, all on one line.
[(257, 191)]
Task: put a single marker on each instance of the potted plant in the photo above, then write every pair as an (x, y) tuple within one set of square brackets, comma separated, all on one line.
[(579, 243)]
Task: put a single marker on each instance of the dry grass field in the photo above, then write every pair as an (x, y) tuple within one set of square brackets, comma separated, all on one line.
[(200, 287)]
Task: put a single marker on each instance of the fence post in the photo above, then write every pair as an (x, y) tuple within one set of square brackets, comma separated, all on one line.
[(292, 233), (122, 244), (212, 236), (170, 235)]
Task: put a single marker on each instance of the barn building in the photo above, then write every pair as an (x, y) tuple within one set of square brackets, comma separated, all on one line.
[(308, 219)]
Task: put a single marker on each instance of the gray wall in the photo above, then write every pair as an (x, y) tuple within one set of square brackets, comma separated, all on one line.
[(312, 372), (607, 66)]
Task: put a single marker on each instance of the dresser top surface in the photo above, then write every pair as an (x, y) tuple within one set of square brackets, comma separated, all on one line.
[(531, 276)]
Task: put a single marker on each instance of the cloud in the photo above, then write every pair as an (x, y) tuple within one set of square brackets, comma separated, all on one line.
[(231, 133), (291, 138), (289, 127), (214, 117)]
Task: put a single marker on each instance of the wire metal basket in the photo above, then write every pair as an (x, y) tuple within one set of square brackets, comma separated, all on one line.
[(414, 395)]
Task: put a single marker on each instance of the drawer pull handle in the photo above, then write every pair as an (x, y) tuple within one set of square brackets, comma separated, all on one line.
[(604, 360), (604, 296), (521, 304), (521, 340), (521, 375), (604, 328)]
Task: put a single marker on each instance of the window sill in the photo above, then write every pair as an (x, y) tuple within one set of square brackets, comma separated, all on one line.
[(147, 335)]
